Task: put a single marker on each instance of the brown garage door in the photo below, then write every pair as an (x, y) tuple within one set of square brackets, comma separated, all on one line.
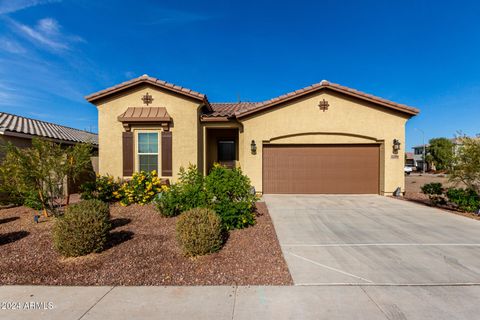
[(334, 169)]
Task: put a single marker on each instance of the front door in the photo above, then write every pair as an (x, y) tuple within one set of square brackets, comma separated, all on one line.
[(226, 153)]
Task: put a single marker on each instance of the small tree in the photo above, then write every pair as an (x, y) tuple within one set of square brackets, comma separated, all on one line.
[(78, 160), (466, 163), (42, 169), (440, 153)]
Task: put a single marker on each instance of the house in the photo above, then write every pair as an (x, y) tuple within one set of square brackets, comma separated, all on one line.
[(418, 157), (325, 138), (20, 130), (410, 159)]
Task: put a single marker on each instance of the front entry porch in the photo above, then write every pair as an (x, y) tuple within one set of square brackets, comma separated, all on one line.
[(221, 147)]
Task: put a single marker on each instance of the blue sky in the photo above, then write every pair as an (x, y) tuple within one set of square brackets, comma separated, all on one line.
[(421, 53)]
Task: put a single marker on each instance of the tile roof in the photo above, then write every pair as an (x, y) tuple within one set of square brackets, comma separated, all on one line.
[(228, 109), (148, 80), (241, 109), (18, 124)]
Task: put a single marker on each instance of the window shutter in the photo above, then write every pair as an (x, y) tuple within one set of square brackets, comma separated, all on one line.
[(127, 145), (166, 153)]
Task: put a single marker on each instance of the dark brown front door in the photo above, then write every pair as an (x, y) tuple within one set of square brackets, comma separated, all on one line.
[(328, 169), (226, 153)]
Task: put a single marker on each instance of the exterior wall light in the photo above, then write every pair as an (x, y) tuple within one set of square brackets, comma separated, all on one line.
[(396, 145), (253, 147)]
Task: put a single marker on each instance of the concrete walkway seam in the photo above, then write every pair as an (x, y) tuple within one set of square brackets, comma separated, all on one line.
[(83, 315)]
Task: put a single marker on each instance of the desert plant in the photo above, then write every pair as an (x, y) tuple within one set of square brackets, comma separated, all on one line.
[(83, 228), (31, 200), (191, 183), (466, 163), (230, 195), (465, 199), (77, 162), (227, 191), (170, 202), (199, 231), (141, 189), (104, 188), (43, 168), (187, 193), (435, 192)]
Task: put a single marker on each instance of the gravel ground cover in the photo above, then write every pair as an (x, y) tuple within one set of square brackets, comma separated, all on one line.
[(142, 250)]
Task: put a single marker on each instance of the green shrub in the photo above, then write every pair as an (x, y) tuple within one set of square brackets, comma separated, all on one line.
[(435, 188), (435, 193), (169, 202), (32, 200), (199, 232), (465, 199), (104, 188), (83, 228), (226, 191), (191, 184), (229, 194), (187, 193)]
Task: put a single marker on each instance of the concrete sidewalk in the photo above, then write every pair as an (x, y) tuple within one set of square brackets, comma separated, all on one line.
[(225, 302)]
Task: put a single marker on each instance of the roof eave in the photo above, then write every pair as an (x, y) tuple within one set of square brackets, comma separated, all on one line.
[(215, 119), (16, 134)]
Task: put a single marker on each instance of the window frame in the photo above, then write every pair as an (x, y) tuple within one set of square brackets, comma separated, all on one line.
[(137, 145)]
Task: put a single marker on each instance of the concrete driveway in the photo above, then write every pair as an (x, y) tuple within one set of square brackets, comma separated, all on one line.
[(374, 240)]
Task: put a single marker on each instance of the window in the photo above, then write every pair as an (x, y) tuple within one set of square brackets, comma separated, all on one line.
[(147, 151)]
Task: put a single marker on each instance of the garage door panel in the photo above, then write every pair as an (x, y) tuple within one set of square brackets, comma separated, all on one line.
[(321, 169)]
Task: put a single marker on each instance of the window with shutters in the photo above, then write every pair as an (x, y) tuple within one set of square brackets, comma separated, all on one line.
[(147, 151)]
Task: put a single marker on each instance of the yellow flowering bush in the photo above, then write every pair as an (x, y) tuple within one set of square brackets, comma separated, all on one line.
[(141, 189)]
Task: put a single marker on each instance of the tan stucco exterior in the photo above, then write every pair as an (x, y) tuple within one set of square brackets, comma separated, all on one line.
[(348, 120), (186, 131)]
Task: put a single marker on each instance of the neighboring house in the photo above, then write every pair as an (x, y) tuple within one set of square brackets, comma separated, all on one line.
[(418, 157), (20, 131), (410, 159), (324, 138)]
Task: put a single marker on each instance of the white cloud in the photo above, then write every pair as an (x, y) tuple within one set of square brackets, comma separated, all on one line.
[(10, 6), (11, 46), (46, 33), (40, 37), (49, 26)]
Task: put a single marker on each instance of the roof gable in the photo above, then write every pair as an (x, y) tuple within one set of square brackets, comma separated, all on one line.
[(242, 109), (145, 79), (325, 85)]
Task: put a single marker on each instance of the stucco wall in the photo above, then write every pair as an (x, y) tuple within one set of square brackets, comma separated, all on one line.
[(347, 120), (186, 139)]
